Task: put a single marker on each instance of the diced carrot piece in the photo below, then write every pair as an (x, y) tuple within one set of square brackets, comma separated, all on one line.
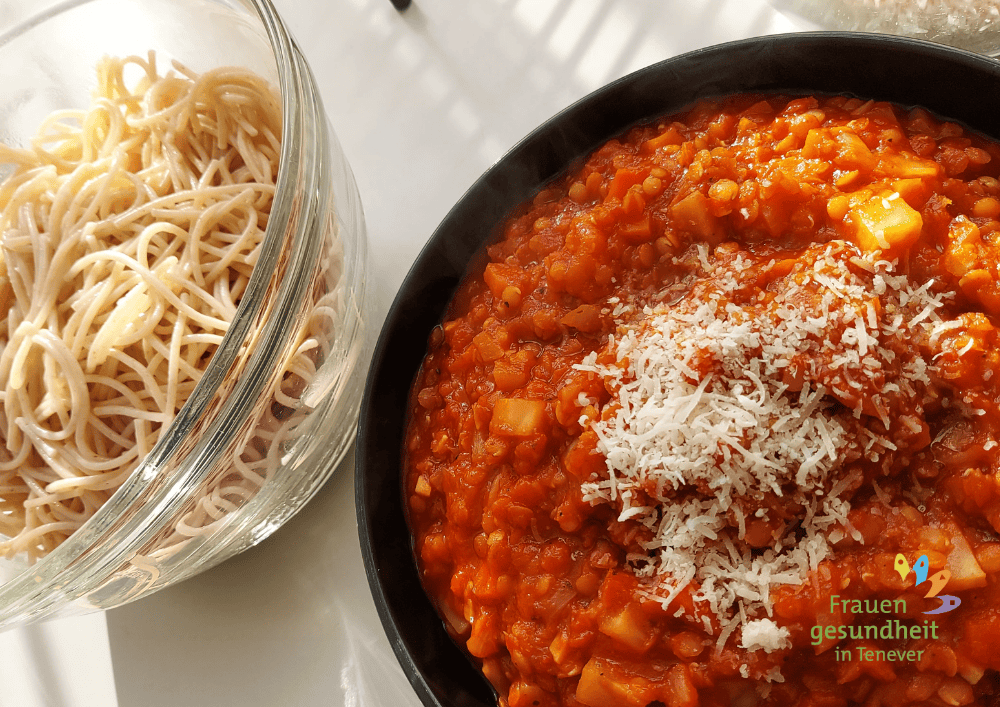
[(487, 346), (913, 191), (837, 206), (879, 668), (581, 459), (499, 276), (722, 127), (885, 223), (508, 375), (847, 178), (637, 231), (585, 318), (670, 136), (981, 634), (908, 166), (987, 207), (625, 178), (518, 417), (514, 370)]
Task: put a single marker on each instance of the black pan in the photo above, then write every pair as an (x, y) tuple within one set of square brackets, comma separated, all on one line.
[(958, 85)]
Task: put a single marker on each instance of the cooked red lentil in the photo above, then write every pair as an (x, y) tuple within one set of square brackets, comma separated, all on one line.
[(712, 397)]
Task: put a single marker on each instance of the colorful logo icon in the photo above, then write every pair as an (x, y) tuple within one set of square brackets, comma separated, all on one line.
[(938, 582)]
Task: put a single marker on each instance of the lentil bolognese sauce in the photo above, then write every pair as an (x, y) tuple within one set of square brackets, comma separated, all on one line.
[(712, 395)]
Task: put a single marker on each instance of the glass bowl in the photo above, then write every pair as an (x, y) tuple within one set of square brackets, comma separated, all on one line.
[(187, 506), (966, 24)]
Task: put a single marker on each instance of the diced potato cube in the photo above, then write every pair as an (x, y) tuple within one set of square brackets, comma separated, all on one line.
[(559, 648), (908, 166), (681, 691), (817, 143), (692, 214), (487, 346), (518, 417), (886, 223), (598, 688), (965, 570), (423, 487), (852, 152), (630, 627)]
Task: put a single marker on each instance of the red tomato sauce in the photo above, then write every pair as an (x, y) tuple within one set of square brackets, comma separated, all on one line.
[(541, 585)]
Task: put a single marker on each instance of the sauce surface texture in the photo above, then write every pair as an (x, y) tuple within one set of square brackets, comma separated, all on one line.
[(717, 424)]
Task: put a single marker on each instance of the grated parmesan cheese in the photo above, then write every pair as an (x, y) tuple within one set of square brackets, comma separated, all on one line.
[(724, 408), (764, 634)]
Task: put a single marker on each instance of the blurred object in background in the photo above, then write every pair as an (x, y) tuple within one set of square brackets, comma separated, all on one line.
[(967, 24)]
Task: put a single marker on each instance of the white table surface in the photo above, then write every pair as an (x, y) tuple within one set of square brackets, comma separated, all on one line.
[(423, 102)]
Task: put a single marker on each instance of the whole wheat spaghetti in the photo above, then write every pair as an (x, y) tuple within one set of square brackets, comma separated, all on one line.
[(128, 233)]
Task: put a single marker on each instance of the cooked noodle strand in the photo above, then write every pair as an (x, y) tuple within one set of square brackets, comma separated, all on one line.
[(128, 233)]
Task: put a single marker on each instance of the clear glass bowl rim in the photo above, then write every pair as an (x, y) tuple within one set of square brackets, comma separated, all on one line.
[(86, 558)]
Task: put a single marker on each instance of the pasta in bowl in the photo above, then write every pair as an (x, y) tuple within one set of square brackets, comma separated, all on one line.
[(126, 257), (183, 269)]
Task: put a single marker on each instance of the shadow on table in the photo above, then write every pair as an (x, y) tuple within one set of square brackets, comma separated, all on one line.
[(289, 622)]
